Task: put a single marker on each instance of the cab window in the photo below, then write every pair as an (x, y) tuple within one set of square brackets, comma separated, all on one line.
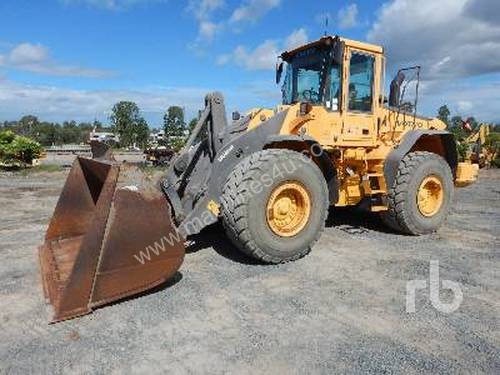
[(303, 81), (360, 90)]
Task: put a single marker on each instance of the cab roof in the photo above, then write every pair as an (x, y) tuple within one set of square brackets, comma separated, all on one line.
[(329, 40)]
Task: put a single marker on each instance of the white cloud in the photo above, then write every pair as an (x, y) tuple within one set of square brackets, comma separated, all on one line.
[(464, 105), (465, 99), (485, 10), (207, 30), (224, 59), (252, 10), (203, 11), (455, 41), (112, 4), (296, 39), (263, 57), (51, 103), (26, 53), (36, 58), (249, 11), (347, 17), (449, 38), (56, 103)]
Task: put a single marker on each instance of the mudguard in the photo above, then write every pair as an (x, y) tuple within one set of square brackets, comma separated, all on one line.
[(409, 140)]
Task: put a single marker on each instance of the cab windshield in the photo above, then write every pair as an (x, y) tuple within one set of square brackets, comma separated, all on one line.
[(306, 78)]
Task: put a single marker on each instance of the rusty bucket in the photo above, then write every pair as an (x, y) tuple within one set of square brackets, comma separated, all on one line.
[(111, 236)]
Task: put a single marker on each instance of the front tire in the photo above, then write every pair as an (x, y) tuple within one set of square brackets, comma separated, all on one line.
[(274, 205), (421, 195)]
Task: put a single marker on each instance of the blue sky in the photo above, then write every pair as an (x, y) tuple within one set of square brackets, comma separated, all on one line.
[(72, 59)]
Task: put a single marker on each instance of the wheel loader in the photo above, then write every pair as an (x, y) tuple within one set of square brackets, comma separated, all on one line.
[(270, 176), (477, 151)]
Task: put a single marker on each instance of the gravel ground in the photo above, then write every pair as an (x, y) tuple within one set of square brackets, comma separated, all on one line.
[(339, 310)]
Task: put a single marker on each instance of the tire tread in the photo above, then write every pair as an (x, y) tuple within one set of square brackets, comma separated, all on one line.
[(397, 217), (234, 212)]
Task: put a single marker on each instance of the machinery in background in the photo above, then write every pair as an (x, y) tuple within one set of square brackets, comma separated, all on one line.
[(159, 155), (478, 151)]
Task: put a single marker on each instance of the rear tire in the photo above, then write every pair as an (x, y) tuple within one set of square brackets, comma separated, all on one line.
[(274, 205), (421, 195)]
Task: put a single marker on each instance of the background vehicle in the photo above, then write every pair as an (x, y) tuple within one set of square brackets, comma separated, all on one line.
[(159, 155), (478, 152)]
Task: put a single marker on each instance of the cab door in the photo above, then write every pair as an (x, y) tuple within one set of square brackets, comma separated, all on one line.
[(359, 123), (327, 125)]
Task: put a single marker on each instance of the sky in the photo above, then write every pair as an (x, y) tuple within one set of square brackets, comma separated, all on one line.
[(73, 59)]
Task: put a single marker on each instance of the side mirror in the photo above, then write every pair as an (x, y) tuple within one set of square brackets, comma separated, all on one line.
[(279, 72), (236, 116)]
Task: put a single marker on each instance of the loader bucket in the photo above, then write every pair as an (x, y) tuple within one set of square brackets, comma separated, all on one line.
[(111, 236)]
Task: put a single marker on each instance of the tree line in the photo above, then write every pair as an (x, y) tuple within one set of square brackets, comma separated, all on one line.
[(51, 133), (125, 120)]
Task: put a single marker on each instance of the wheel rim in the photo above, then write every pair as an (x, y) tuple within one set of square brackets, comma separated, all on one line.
[(430, 196), (288, 209)]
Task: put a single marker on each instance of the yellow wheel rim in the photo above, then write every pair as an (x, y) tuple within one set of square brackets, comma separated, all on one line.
[(430, 196), (288, 209)]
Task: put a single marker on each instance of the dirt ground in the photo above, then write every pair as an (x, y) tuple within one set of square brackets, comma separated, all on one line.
[(341, 309)]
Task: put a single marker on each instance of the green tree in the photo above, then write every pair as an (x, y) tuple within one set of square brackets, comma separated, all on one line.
[(6, 137), (173, 122), (174, 126), (48, 134), (457, 129), (27, 124), (70, 133), (492, 145), (16, 148), (129, 124), (26, 149), (444, 114), (141, 133)]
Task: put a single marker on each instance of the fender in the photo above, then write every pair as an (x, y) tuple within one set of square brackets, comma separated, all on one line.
[(410, 139), (319, 155)]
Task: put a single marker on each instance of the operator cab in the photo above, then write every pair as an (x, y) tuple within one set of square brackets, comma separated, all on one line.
[(343, 77), (313, 74)]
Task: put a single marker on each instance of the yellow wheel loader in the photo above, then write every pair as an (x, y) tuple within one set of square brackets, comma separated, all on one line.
[(269, 176), (477, 151)]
